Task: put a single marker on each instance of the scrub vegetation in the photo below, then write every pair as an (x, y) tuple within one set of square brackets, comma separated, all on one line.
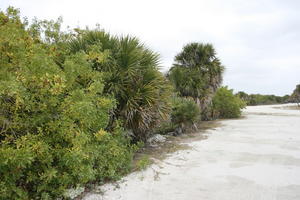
[(75, 105)]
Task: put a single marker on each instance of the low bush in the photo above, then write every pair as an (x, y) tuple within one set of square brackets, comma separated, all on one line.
[(226, 105), (184, 111)]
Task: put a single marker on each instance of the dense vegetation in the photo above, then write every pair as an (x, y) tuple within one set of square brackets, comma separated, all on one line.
[(73, 104), (131, 77), (53, 119)]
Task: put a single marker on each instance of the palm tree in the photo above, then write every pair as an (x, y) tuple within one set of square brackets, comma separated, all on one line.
[(197, 73), (131, 75)]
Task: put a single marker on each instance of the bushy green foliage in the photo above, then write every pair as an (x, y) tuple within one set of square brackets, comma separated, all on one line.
[(226, 105), (184, 111), (52, 119), (131, 76)]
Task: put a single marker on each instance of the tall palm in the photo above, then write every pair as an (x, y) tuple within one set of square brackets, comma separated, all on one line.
[(131, 76), (197, 73)]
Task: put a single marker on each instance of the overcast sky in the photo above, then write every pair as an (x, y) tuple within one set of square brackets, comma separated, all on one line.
[(258, 41)]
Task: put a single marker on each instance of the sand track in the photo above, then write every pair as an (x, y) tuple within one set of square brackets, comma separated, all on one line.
[(253, 158)]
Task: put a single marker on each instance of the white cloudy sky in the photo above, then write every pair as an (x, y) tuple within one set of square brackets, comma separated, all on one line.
[(258, 41)]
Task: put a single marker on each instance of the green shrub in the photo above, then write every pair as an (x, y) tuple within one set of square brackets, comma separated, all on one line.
[(184, 111), (52, 119), (112, 155), (226, 105)]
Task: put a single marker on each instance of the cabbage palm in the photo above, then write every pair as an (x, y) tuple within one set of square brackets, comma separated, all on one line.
[(131, 76), (197, 73)]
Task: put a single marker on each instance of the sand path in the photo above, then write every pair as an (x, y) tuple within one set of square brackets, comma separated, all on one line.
[(256, 157)]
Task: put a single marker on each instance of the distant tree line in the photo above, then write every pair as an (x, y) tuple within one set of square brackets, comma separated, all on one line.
[(261, 99)]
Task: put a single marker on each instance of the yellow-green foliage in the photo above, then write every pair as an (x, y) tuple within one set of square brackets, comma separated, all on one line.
[(52, 119), (143, 162)]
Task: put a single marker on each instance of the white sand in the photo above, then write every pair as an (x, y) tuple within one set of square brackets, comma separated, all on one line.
[(257, 158)]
